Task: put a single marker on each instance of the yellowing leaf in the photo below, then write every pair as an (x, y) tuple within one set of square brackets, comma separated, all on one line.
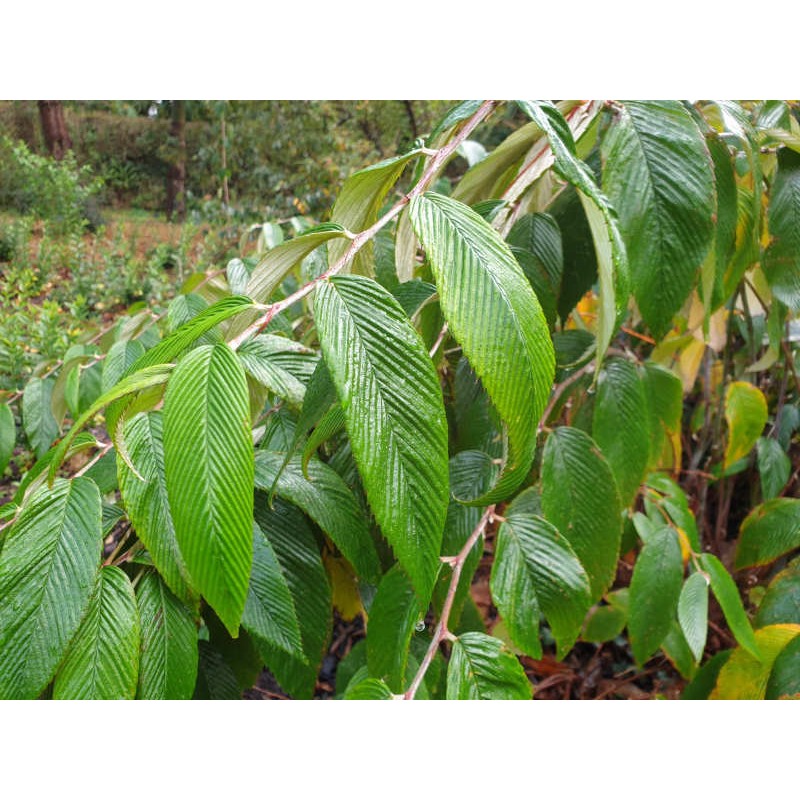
[(343, 583), (746, 415)]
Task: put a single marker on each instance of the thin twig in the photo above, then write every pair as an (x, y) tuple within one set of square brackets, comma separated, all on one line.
[(441, 632), (561, 388), (439, 340)]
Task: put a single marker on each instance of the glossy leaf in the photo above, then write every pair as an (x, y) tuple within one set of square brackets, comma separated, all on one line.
[(693, 612), (482, 669), (535, 568), (269, 612), (147, 501), (768, 532), (168, 661), (208, 465), (393, 615), (621, 426), (8, 436), (368, 689), (102, 662), (299, 558), (327, 499), (727, 594), (746, 415), (38, 421), (782, 258), (48, 564), (654, 592), (744, 676), (394, 415), (774, 467), (495, 316), (658, 174), (579, 497)]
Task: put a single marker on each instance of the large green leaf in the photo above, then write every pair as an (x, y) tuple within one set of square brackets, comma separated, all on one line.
[(8, 436), (208, 461), (580, 497), (774, 467), (359, 203), (535, 568), (658, 174), (782, 258), (784, 680), (147, 501), (394, 415), (102, 663), (654, 592), (299, 558), (768, 532), (48, 565), (727, 594), (746, 415), (693, 613), (38, 421), (393, 615), (495, 316), (168, 660), (327, 499), (621, 426), (368, 689), (269, 613), (118, 361), (482, 669), (664, 402), (781, 603)]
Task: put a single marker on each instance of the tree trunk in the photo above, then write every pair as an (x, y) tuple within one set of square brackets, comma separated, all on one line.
[(54, 128), (176, 181)]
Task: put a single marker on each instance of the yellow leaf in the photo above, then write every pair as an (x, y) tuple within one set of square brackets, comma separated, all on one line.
[(343, 584), (746, 415)]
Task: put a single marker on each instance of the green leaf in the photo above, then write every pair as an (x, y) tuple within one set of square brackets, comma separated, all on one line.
[(784, 680), (216, 679), (677, 650), (672, 501), (332, 423), (368, 689), (394, 415), (654, 592), (168, 661), (535, 567), (147, 501), (482, 669), (746, 676), (782, 258), (208, 461), (282, 365), (704, 680), (118, 361), (102, 662), (621, 426), (781, 603), (746, 415), (8, 436), (605, 623), (730, 602), (392, 617), (298, 556), (658, 174), (495, 316), (48, 564), (768, 532), (187, 306), (693, 613), (359, 203), (38, 421), (664, 402), (774, 467), (327, 499), (269, 613), (579, 496)]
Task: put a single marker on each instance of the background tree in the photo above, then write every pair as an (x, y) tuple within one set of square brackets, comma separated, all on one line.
[(54, 128)]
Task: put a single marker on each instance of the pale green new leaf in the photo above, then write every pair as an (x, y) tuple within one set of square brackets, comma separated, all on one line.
[(768, 532), (38, 421), (208, 460), (482, 669), (327, 499), (393, 615), (394, 416), (746, 415), (102, 663), (693, 613), (8, 436), (269, 613), (658, 174), (495, 316), (621, 425), (48, 565), (654, 592), (782, 258), (168, 660), (358, 204), (147, 501), (580, 497)]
